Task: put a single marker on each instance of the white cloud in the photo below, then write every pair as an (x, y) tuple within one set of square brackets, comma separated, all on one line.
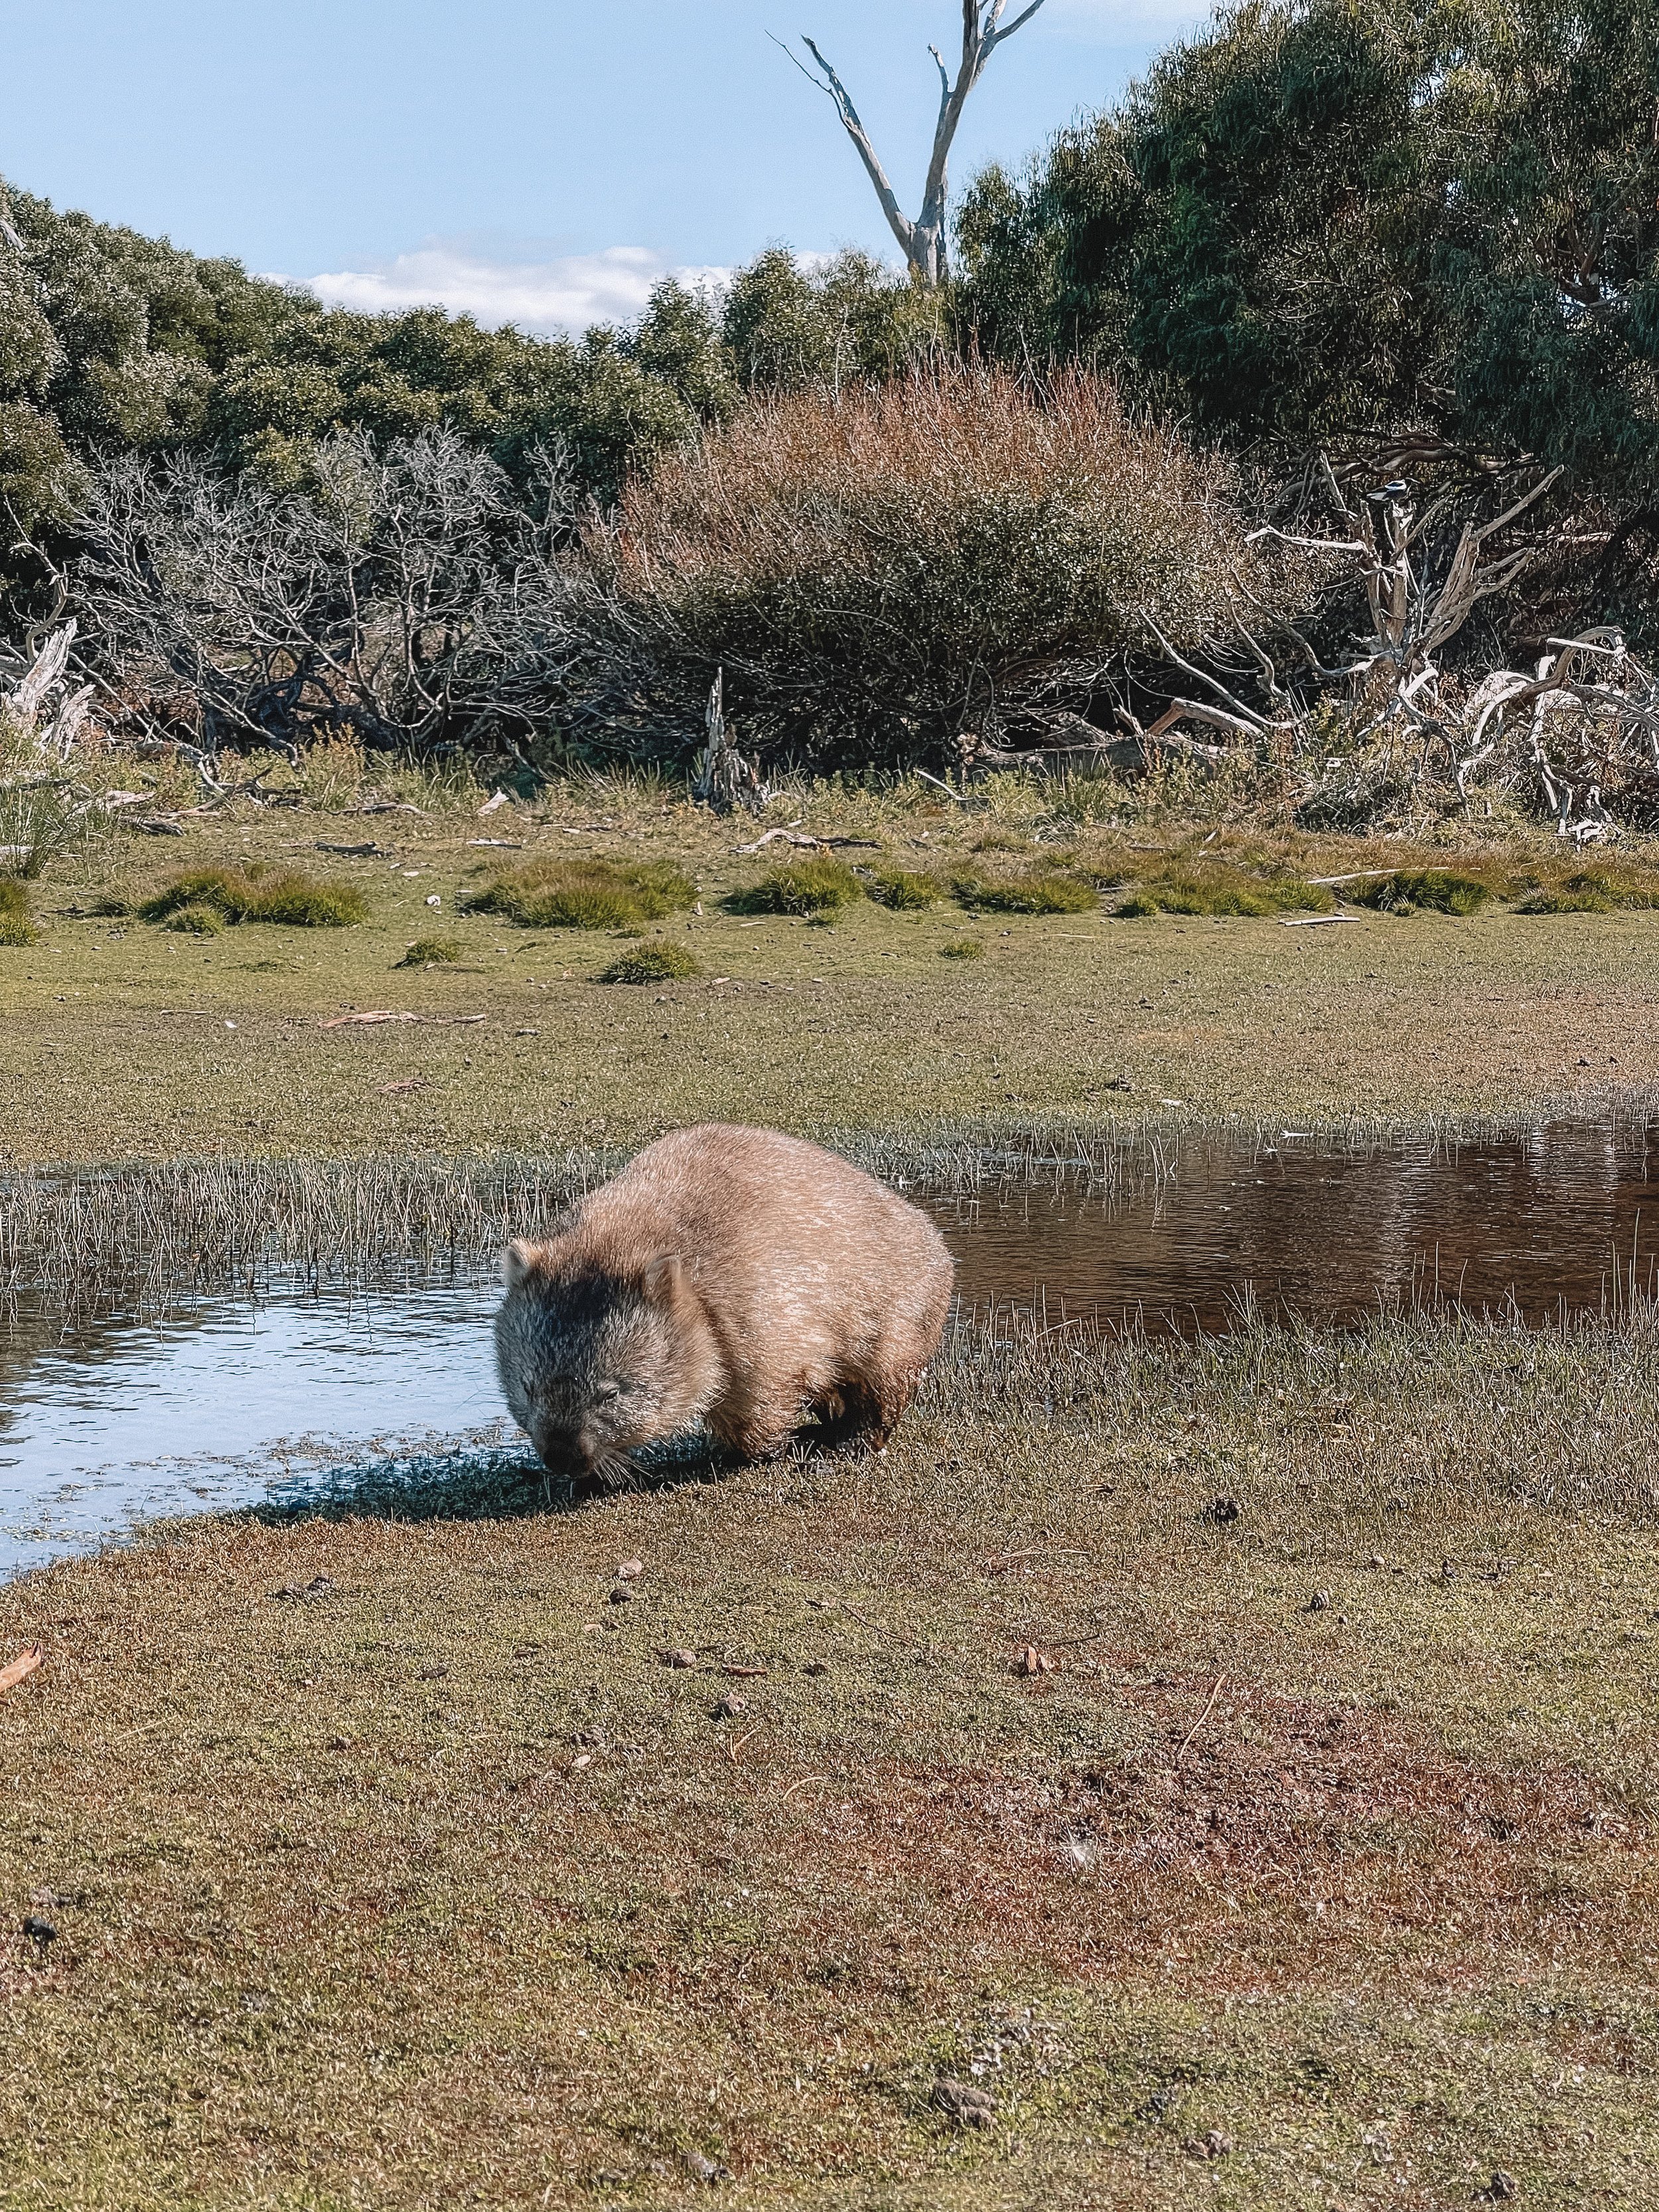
[(567, 294)]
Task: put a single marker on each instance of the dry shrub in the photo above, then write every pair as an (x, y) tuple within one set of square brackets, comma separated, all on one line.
[(879, 571)]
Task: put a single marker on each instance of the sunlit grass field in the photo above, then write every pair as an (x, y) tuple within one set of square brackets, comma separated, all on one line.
[(248, 1038), (1237, 1760)]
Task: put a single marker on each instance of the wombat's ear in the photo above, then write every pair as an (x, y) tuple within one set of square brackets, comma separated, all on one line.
[(663, 1277), (516, 1262)]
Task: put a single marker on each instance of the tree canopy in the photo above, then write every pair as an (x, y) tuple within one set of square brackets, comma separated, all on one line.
[(1328, 216)]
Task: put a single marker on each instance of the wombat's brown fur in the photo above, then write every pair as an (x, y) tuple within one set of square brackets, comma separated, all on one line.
[(727, 1275)]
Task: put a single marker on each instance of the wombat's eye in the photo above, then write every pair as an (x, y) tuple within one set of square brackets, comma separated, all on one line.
[(607, 1391)]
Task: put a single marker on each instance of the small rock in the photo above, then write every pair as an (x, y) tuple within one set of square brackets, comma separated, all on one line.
[(677, 1658), (1120, 1083), (1502, 2188), (432, 1674), (630, 1569), (1217, 2143), (41, 1933), (706, 2170), (730, 1705), (964, 2102), (433, 900), (1376, 1559), (815, 1666), (1319, 1602), (1221, 1510), (622, 1595)]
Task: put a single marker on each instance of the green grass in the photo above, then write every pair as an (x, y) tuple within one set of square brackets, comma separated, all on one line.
[(197, 920), (436, 1886), (1607, 889), (1041, 890), (1222, 891), (812, 887), (906, 891), (555, 893), (280, 895), (1422, 890), (653, 963), (963, 948), (16, 928), (432, 952)]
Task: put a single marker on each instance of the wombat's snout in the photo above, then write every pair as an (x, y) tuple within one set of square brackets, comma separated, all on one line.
[(563, 1450)]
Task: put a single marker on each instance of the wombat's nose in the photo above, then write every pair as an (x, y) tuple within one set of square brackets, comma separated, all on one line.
[(562, 1451)]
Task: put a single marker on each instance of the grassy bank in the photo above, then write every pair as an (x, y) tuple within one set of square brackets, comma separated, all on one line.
[(1313, 1865), (240, 1038)]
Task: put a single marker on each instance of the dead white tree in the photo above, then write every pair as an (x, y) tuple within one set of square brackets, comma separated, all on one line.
[(924, 239)]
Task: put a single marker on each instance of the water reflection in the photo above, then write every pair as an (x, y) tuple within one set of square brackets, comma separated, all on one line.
[(105, 1422)]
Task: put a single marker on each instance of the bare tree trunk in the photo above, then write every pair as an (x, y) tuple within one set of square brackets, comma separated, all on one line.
[(923, 240)]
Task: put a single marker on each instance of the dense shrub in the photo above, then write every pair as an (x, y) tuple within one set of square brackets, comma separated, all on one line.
[(1320, 217), (584, 894), (878, 573)]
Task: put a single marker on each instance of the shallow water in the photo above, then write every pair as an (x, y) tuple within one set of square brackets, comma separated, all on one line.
[(224, 1403)]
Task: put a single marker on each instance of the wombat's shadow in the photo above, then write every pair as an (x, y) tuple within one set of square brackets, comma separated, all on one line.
[(499, 1484)]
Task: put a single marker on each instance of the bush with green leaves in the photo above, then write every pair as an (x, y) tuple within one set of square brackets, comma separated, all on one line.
[(584, 894), (1315, 217)]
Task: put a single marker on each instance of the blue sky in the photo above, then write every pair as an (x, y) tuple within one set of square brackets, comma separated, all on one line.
[(540, 160)]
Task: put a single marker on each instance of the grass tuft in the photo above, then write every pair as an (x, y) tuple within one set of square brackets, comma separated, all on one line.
[(1042, 891), (809, 886), (432, 952), (1225, 890), (904, 889), (582, 894), (963, 948), (15, 927), (653, 963), (1425, 890), (282, 896), (1595, 891), (197, 920)]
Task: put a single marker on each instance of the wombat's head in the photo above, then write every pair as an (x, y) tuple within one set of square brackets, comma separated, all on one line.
[(595, 1362)]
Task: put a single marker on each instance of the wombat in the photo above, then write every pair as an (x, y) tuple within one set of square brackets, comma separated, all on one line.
[(730, 1276)]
